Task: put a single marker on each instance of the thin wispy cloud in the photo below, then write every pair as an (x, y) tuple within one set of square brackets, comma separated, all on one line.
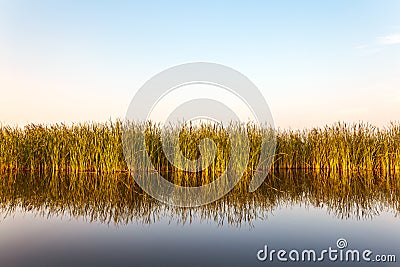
[(369, 49), (390, 39), (380, 43)]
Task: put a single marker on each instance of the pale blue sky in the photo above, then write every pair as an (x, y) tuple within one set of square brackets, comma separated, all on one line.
[(316, 62)]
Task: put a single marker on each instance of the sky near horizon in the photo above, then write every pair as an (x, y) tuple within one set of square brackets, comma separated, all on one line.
[(315, 62)]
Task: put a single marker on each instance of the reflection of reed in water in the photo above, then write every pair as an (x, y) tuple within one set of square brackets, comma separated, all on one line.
[(117, 199)]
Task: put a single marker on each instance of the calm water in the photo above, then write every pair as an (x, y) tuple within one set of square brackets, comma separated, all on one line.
[(44, 223)]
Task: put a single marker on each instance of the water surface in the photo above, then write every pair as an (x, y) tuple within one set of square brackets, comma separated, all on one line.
[(50, 220)]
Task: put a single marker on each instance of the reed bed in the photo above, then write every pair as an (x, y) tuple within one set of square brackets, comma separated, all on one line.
[(97, 147), (341, 147), (90, 147)]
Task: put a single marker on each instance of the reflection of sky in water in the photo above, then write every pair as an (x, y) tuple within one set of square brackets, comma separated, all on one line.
[(29, 240)]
